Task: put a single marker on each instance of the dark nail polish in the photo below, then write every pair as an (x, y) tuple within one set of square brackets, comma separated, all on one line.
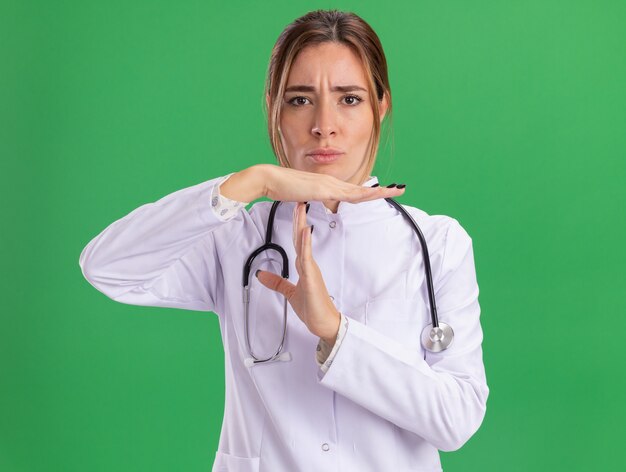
[(313, 226), (257, 273), (375, 185), (308, 205), (391, 185), (401, 186)]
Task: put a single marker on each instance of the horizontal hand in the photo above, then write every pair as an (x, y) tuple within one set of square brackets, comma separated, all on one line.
[(292, 185)]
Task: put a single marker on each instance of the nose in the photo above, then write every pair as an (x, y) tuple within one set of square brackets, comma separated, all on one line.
[(324, 124)]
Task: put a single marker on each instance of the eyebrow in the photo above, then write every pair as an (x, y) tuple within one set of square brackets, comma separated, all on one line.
[(336, 88)]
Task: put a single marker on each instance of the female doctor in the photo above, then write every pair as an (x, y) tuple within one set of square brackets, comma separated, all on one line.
[(344, 381)]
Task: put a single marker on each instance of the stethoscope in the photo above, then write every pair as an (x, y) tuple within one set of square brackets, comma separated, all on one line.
[(435, 336)]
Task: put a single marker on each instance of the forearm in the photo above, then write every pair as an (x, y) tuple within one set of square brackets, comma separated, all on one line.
[(246, 185), (444, 403), (154, 253)]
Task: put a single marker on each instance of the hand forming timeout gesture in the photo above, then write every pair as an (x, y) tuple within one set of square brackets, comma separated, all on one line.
[(309, 298)]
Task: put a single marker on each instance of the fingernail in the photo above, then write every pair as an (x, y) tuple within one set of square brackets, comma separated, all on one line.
[(312, 226), (308, 205), (375, 185), (257, 273), (401, 186), (391, 185)]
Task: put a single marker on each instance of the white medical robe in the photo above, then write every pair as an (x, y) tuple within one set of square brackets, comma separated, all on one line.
[(384, 404)]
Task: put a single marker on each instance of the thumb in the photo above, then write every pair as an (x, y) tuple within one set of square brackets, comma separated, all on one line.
[(275, 282)]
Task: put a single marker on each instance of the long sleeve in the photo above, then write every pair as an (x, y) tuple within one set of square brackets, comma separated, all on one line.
[(225, 208), (162, 253), (441, 396)]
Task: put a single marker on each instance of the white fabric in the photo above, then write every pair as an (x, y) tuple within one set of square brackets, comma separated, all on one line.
[(225, 209), (384, 404)]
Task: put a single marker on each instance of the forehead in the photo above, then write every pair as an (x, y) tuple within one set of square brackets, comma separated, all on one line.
[(332, 61)]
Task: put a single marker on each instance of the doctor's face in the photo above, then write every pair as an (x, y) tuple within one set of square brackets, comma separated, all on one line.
[(325, 110)]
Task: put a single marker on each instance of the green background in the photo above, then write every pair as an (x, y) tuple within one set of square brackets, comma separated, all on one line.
[(508, 115)]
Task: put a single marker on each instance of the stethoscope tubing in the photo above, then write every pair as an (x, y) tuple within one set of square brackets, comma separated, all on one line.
[(436, 339), (429, 276)]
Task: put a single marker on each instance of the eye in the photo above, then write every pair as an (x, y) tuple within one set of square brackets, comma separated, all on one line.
[(299, 101), (291, 102), (353, 97)]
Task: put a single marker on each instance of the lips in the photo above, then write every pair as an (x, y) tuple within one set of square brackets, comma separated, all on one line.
[(324, 158), (325, 155), (327, 151)]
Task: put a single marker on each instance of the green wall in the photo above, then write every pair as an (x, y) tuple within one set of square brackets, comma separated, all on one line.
[(508, 115)]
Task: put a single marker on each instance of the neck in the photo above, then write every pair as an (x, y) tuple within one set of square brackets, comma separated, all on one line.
[(331, 205)]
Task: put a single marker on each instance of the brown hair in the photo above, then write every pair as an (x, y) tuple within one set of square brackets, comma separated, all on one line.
[(318, 27)]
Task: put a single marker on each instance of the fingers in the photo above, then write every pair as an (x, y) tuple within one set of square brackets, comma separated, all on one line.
[(301, 220), (361, 194), (302, 241), (295, 227), (306, 251), (294, 185), (276, 283), (299, 224)]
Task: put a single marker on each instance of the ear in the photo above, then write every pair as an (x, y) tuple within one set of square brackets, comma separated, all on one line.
[(382, 106), (267, 100)]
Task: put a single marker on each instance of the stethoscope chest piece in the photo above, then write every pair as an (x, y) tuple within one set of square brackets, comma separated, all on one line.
[(437, 339)]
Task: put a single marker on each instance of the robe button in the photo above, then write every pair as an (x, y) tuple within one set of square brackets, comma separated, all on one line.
[(332, 224), (325, 447)]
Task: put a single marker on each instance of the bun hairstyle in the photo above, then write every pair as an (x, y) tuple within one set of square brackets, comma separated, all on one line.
[(318, 27)]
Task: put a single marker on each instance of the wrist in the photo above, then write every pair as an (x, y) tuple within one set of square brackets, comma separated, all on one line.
[(246, 185), (259, 178), (330, 337)]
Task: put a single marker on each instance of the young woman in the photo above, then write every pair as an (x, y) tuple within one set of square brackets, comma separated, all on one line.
[(328, 369)]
